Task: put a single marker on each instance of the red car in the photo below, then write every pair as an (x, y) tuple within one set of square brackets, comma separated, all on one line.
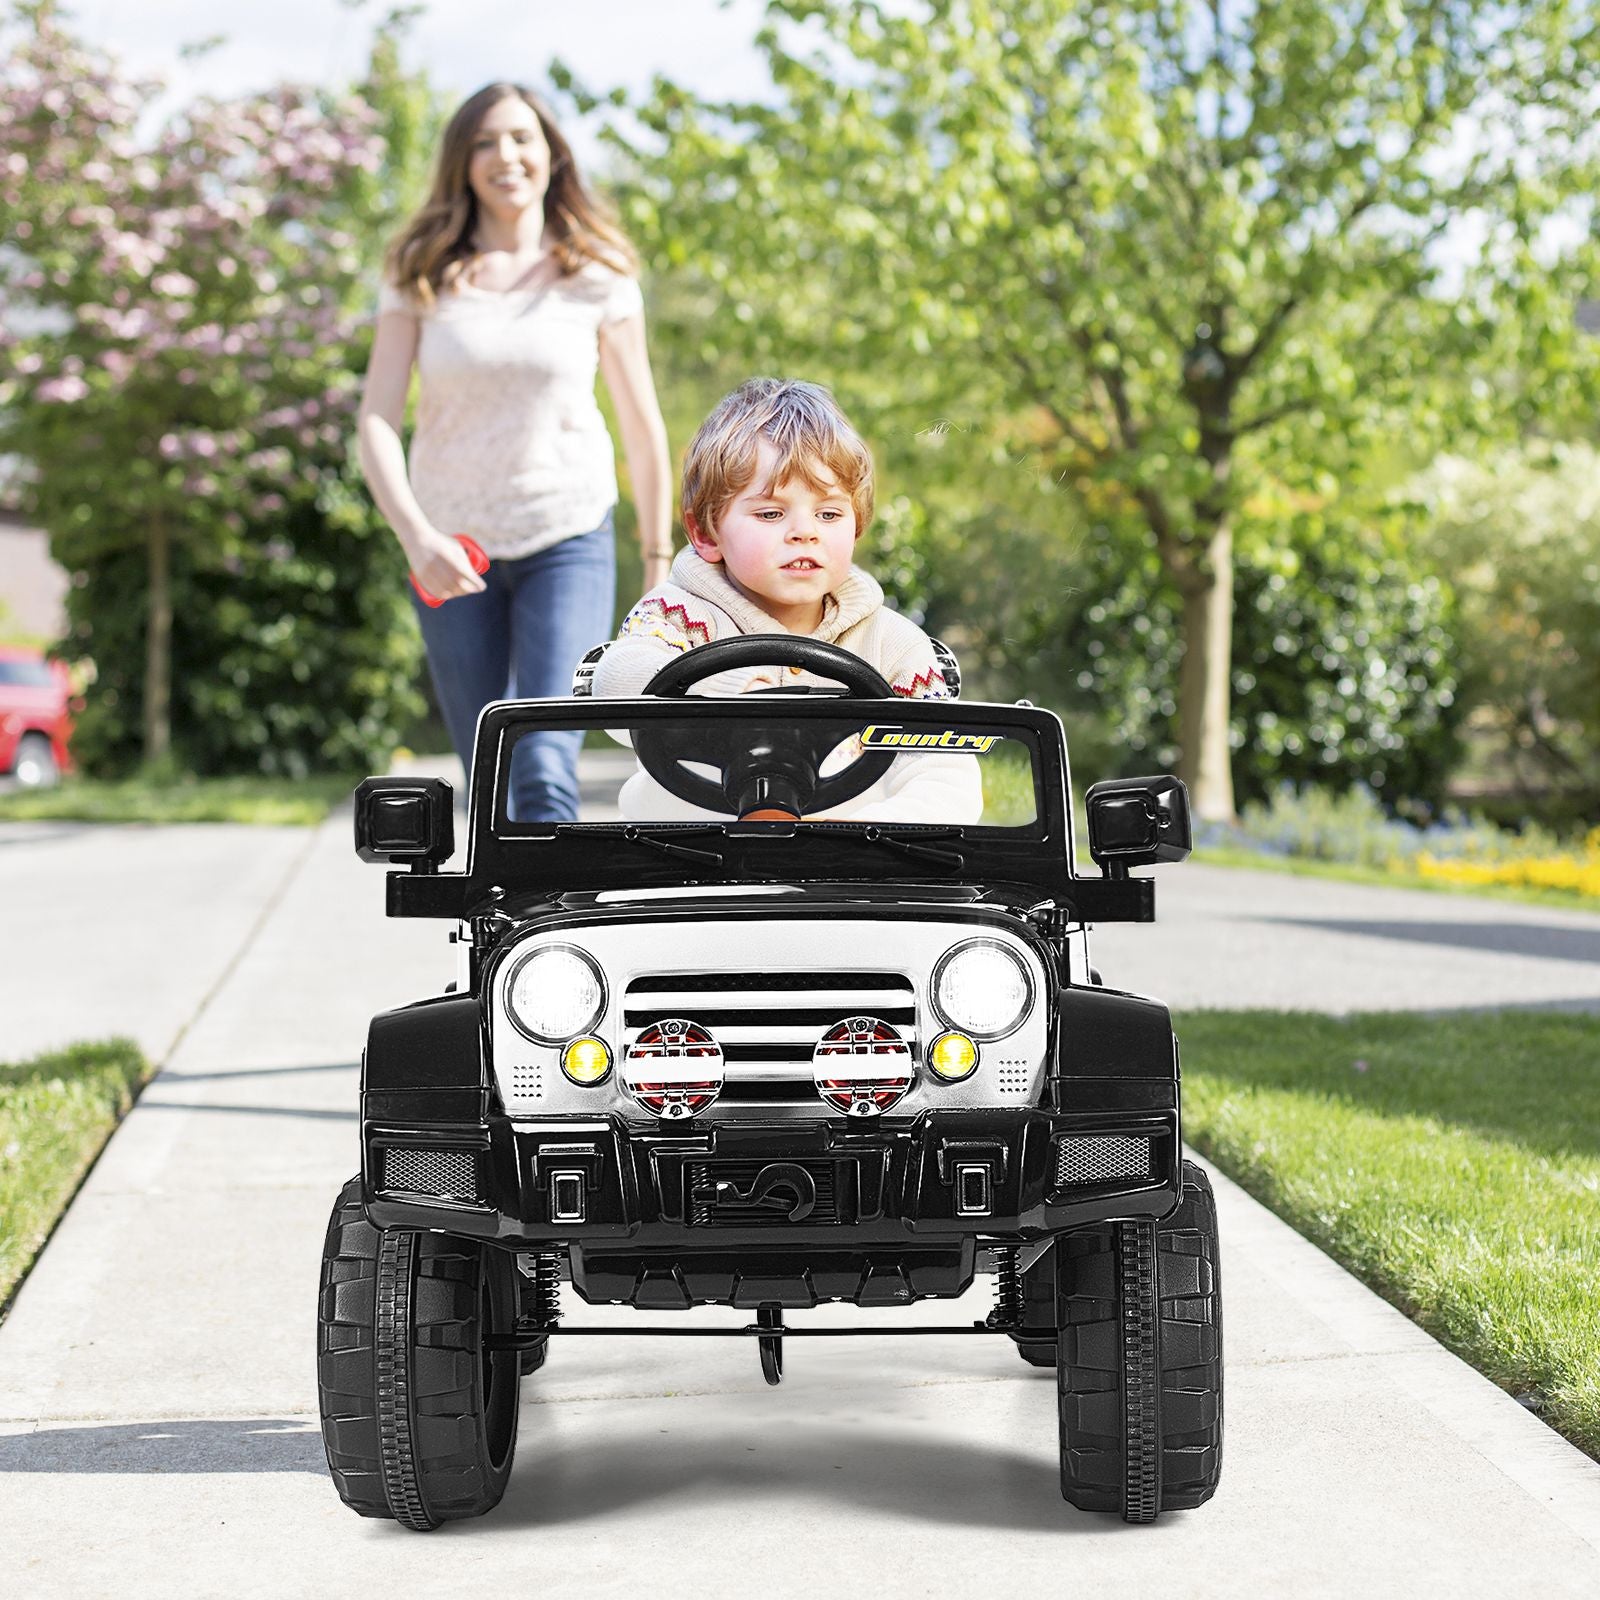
[(35, 718)]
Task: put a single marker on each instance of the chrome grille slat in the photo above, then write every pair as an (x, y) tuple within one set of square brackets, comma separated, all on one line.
[(661, 1002), (799, 1037), (811, 982)]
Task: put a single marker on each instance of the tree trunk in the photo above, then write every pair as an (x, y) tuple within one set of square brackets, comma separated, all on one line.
[(1205, 701), (158, 649)]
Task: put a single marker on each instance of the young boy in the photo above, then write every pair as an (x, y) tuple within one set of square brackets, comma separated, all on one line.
[(777, 489)]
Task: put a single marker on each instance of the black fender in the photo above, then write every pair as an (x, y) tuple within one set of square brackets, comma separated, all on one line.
[(427, 1062), (1113, 1049)]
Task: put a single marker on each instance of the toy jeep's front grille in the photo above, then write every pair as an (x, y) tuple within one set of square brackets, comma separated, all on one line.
[(768, 1024), (1101, 1158), (448, 1174)]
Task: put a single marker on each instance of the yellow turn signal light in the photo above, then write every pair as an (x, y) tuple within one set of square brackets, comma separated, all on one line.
[(587, 1061), (952, 1057)]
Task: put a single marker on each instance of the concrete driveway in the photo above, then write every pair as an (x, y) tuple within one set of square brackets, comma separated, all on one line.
[(157, 1398)]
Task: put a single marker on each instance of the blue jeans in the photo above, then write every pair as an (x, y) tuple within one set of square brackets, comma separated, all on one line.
[(522, 638)]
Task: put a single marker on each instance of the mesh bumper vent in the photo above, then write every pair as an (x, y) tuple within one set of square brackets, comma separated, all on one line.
[(449, 1174), (1101, 1158)]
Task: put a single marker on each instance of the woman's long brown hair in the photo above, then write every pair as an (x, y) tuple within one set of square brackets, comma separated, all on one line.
[(434, 248)]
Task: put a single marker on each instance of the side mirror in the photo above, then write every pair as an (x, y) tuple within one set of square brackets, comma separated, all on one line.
[(1134, 822), (403, 821)]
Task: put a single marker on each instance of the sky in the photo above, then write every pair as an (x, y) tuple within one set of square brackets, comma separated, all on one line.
[(704, 44)]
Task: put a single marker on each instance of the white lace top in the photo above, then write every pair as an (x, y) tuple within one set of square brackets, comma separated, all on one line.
[(509, 445)]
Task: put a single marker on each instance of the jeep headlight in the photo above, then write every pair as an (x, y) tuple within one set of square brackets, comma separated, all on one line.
[(982, 988), (554, 993)]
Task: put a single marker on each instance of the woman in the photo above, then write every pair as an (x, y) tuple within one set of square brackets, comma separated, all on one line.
[(507, 291)]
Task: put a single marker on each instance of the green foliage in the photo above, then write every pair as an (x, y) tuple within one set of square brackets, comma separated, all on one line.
[(254, 801), (1452, 1163), (1520, 535), (1166, 261), (56, 1111), (1342, 666), (182, 387)]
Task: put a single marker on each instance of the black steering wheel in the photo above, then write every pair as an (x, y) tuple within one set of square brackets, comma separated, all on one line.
[(766, 771)]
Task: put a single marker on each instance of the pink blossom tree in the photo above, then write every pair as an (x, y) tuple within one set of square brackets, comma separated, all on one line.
[(184, 320)]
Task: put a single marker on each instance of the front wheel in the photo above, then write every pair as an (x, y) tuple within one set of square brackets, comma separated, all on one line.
[(1139, 1360), (419, 1418)]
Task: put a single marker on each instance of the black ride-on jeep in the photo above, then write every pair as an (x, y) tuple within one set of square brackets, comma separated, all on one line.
[(773, 1049)]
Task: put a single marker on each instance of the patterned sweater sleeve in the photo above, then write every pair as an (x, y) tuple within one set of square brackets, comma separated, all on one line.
[(911, 665), (659, 629)]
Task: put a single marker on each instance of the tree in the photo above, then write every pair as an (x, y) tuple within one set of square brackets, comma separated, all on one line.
[(1520, 533), (1344, 667), (1193, 249), (182, 384)]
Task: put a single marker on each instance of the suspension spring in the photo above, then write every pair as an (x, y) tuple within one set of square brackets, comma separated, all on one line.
[(1007, 1289), (541, 1294), (547, 1288)]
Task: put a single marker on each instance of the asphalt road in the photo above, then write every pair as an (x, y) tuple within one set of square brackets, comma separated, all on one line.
[(157, 1401)]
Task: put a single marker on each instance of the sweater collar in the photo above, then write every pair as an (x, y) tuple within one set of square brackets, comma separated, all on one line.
[(851, 603)]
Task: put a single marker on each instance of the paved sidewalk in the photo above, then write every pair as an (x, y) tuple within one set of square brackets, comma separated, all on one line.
[(157, 1387), (107, 930)]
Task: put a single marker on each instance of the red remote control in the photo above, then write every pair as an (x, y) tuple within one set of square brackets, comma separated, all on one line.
[(480, 563)]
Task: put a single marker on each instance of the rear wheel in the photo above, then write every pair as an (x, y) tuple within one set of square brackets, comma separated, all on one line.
[(1139, 1360), (419, 1419), (36, 766)]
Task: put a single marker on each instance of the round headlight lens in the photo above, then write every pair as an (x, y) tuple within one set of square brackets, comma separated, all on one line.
[(554, 993), (983, 989)]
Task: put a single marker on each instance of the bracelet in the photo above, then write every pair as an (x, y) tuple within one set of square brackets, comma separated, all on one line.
[(662, 555)]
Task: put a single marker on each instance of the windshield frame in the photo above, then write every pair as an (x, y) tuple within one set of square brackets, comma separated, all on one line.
[(553, 858)]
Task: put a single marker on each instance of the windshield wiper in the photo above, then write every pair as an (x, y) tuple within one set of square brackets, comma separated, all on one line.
[(633, 834), (913, 844)]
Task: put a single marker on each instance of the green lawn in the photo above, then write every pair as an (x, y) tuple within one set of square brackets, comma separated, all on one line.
[(1351, 872), (1453, 1163), (56, 1112), (292, 801)]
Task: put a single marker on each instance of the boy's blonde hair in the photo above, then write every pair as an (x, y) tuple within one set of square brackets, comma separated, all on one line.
[(802, 421)]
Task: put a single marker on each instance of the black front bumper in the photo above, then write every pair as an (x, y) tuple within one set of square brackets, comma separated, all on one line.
[(940, 1178)]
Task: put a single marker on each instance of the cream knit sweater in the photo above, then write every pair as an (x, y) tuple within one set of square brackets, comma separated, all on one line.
[(698, 604)]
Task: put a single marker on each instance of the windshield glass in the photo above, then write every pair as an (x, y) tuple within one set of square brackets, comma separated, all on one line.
[(799, 760)]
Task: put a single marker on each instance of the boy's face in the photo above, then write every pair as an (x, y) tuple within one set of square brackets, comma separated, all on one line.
[(785, 545)]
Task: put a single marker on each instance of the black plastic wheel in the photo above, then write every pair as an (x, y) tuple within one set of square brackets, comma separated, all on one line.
[(1035, 1334), (419, 1420), (1139, 1360)]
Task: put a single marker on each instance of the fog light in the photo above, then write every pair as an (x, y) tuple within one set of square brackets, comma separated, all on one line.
[(587, 1061), (862, 1066), (952, 1057), (674, 1068)]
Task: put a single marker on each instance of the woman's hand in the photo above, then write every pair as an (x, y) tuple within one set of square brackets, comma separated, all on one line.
[(656, 569), (441, 566)]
